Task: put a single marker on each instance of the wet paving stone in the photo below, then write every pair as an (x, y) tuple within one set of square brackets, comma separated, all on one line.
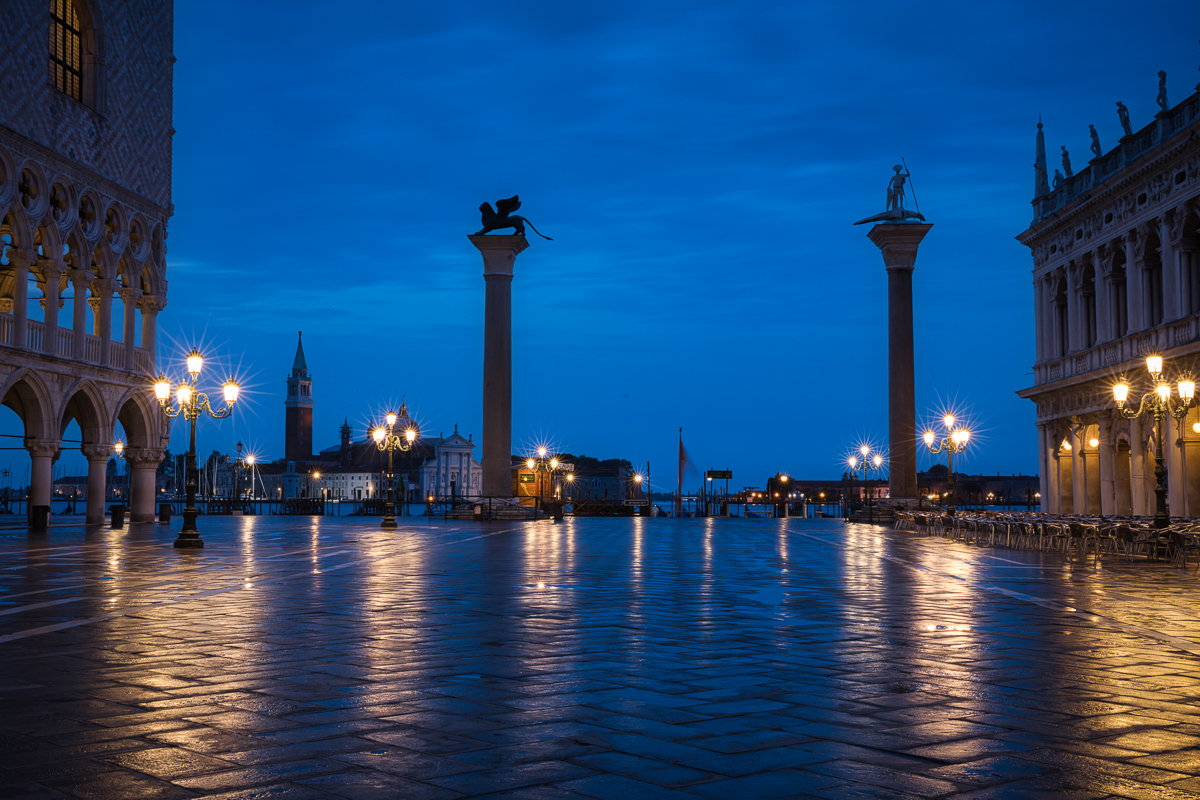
[(297, 659)]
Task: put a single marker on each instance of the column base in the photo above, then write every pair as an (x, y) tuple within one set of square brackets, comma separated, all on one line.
[(189, 540), (388, 522)]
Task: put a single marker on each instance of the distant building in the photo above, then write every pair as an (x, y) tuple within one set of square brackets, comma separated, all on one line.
[(1116, 277), (442, 466)]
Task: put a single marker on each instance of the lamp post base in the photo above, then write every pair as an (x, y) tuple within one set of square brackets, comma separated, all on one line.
[(189, 540), (388, 522)]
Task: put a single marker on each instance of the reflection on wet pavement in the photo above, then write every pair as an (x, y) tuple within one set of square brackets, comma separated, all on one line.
[(298, 658)]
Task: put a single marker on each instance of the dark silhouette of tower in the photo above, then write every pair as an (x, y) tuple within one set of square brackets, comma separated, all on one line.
[(297, 426)]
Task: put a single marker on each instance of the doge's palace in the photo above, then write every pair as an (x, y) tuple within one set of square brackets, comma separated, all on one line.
[(1116, 277), (85, 195)]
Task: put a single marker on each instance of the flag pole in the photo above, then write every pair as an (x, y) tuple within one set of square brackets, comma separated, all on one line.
[(910, 184), (679, 482)]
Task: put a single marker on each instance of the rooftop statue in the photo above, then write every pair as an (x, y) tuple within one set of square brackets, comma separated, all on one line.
[(493, 221), (1163, 105), (1097, 150), (1058, 179), (1123, 114), (895, 200), (1067, 162)]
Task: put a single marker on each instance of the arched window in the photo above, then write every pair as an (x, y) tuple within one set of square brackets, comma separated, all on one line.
[(66, 48)]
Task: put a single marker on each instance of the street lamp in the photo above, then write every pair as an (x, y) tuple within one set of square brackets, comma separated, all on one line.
[(954, 442), (191, 405), (863, 462), (1157, 402), (389, 441)]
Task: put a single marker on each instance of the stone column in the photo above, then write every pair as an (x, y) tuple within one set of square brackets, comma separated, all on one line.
[(52, 272), (1043, 460), (499, 254), (103, 289), (142, 464), (1079, 493), (1074, 317), (41, 482), (1141, 464), (20, 260), (1051, 495), (1172, 298), (1133, 283), (129, 303), (898, 241), (97, 480), (151, 305), (1103, 291), (80, 278), (1176, 476), (1108, 447), (1039, 336)]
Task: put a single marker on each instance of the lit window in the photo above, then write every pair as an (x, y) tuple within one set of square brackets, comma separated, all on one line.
[(66, 44)]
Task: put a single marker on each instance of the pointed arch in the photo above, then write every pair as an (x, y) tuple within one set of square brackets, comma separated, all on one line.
[(85, 404), (25, 392), (141, 419)]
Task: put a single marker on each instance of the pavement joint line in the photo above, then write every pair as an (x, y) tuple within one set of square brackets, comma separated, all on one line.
[(33, 606), (1087, 616), (240, 585)]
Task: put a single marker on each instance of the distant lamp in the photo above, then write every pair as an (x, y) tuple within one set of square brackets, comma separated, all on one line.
[(529, 464), (1093, 442)]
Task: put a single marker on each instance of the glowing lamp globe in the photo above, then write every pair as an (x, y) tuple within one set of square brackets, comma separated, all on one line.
[(391, 419), (378, 434), (231, 391), (194, 362), (1121, 392), (410, 434), (162, 389), (1154, 364)]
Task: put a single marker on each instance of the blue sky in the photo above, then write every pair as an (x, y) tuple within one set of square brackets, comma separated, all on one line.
[(699, 166)]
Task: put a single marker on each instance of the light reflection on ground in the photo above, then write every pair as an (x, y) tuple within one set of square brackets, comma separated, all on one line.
[(592, 658)]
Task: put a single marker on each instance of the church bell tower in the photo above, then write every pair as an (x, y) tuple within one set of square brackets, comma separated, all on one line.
[(297, 426)]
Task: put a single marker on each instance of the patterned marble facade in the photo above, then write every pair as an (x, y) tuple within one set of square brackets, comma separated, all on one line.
[(1116, 277)]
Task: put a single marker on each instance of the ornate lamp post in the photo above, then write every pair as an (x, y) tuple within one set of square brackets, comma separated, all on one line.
[(389, 441), (864, 462), (954, 442), (1157, 402), (119, 451), (191, 405), (541, 465)]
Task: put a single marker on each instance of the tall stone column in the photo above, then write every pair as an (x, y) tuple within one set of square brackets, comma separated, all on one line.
[(52, 272), (151, 305), (142, 464), (129, 303), (1039, 337), (1172, 297), (1133, 284), (898, 241), (42, 452), (1104, 325), (1051, 495), (97, 480), (80, 278), (1079, 493), (1173, 455), (1141, 465), (1108, 451), (103, 289), (20, 261), (499, 254)]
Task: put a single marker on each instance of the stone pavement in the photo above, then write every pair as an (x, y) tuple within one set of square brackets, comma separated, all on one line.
[(597, 658)]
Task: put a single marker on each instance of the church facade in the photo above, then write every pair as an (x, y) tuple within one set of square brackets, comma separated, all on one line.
[(1116, 278)]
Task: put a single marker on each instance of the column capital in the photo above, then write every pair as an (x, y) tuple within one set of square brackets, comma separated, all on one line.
[(143, 456), (78, 276), (129, 294), (6, 305), (50, 266), (898, 241), (499, 253), (21, 258), (96, 452), (102, 286), (42, 447), (152, 304)]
